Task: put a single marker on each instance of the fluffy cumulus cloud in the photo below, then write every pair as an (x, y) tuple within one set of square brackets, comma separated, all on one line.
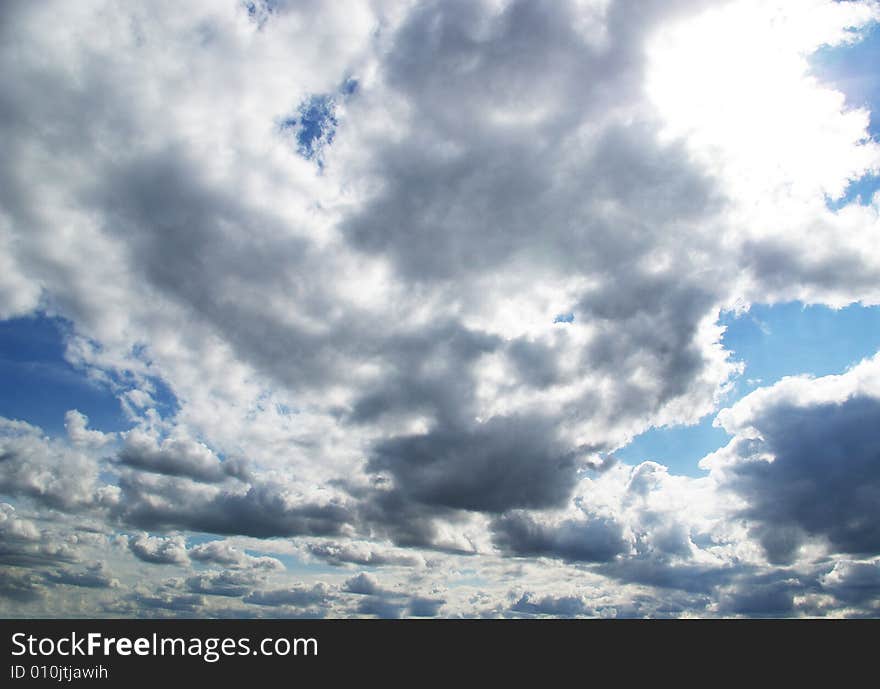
[(412, 273)]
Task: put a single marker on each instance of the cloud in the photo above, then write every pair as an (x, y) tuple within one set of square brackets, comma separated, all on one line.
[(584, 540), (223, 553), (262, 510), (854, 583), (94, 576), (425, 607), (298, 596), (231, 584), (804, 458), (566, 606), (76, 425), (33, 466), (22, 587), (380, 607), (363, 584), (411, 295), (362, 554), (176, 456), (158, 550), (500, 464)]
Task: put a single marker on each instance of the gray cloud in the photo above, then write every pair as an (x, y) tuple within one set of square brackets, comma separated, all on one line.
[(363, 584), (854, 583), (46, 471), (501, 464), (263, 511), (177, 457), (94, 576), (564, 606), (592, 539), (230, 584), (824, 480), (158, 550), (20, 586), (360, 554), (380, 607), (297, 596), (222, 553)]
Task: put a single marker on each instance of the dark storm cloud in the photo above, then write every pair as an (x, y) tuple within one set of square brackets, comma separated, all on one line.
[(592, 539), (535, 362), (387, 513), (854, 583), (652, 320), (754, 599), (824, 480), (263, 511), (501, 464), (429, 371), (512, 185)]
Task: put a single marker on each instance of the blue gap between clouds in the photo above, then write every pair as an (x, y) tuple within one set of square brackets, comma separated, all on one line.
[(774, 342), (315, 122), (38, 385)]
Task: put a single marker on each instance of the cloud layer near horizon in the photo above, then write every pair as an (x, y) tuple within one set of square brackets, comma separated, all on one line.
[(413, 272)]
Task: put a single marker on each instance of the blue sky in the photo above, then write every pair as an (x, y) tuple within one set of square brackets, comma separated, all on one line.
[(39, 385)]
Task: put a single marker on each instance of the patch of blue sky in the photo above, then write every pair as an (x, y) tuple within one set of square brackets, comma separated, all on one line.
[(38, 385), (164, 400), (295, 566), (315, 122), (564, 318), (314, 126), (259, 11), (773, 342), (791, 339)]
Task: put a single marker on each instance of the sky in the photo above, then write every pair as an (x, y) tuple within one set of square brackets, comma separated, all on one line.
[(497, 308)]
